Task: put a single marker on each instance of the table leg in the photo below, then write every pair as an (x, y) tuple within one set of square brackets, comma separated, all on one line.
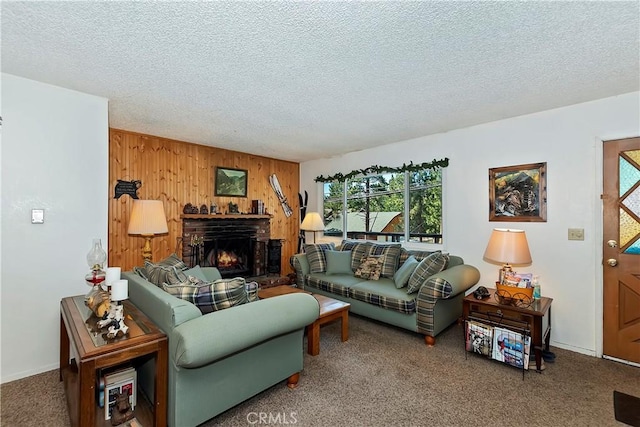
[(160, 386), (64, 347), (87, 387), (313, 338), (345, 325)]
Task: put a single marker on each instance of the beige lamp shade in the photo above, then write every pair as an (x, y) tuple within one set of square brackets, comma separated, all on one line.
[(147, 218), (508, 247), (312, 222)]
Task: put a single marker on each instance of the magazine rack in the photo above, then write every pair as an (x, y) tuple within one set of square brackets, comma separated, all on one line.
[(498, 337)]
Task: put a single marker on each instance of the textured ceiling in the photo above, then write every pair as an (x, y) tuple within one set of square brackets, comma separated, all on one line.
[(306, 80)]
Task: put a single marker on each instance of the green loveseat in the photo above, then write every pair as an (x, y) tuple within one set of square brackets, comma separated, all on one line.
[(220, 359), (435, 305)]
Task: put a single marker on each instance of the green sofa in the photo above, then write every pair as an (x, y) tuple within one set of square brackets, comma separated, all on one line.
[(429, 310), (220, 359)]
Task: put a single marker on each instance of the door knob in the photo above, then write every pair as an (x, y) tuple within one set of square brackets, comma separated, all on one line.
[(612, 244), (612, 262)]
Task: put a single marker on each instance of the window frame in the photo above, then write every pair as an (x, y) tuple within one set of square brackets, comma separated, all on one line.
[(406, 194)]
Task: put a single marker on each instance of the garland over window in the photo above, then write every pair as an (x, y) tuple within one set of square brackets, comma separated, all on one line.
[(442, 163)]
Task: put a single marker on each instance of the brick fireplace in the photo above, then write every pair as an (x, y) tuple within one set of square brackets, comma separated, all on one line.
[(235, 244)]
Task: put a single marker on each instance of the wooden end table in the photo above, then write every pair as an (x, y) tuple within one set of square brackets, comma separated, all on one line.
[(330, 310), (537, 316), (84, 351)]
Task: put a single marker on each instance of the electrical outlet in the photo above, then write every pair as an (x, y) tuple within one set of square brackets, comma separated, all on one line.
[(576, 234)]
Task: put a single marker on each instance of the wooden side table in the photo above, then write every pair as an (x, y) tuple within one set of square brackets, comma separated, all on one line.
[(537, 316), (84, 350)]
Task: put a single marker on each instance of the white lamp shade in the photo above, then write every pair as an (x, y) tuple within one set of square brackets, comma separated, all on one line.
[(120, 290), (148, 218), (508, 247), (111, 275), (312, 222)]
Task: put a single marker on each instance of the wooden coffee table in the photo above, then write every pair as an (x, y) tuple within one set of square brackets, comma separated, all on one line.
[(330, 310)]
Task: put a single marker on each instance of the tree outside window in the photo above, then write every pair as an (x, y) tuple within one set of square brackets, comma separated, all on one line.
[(374, 207)]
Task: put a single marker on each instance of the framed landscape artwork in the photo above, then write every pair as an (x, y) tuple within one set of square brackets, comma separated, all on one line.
[(518, 193), (231, 182)]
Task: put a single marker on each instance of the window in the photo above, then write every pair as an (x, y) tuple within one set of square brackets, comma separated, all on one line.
[(394, 207)]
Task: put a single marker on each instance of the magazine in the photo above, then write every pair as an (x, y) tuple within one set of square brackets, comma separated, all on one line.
[(511, 347), (479, 338)]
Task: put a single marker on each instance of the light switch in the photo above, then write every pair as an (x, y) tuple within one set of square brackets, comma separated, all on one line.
[(37, 216), (576, 234)]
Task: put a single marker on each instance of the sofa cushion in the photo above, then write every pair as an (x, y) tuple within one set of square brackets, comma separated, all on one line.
[(335, 284), (418, 255), (370, 268), (383, 293), (358, 251), (197, 273), (338, 262), (212, 296), (316, 257), (141, 271), (401, 278), (390, 254), (434, 263), (157, 272)]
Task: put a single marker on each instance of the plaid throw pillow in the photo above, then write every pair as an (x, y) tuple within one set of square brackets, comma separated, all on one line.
[(434, 263), (390, 254), (159, 272), (359, 250), (370, 268), (316, 257), (213, 296)]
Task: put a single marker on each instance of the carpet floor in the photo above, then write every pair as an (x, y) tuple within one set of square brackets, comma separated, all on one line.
[(385, 376)]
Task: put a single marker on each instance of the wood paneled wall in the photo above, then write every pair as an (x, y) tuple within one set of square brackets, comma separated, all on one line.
[(178, 173)]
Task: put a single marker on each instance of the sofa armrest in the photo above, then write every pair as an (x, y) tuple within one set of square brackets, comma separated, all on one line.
[(437, 291), (219, 334), (300, 264), (450, 282)]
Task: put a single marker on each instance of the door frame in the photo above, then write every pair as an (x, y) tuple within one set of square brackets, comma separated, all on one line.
[(598, 207)]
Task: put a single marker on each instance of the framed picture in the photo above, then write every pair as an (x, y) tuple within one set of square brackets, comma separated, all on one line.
[(231, 182), (518, 193)]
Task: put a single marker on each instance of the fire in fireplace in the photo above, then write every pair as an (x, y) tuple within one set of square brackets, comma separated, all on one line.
[(233, 256)]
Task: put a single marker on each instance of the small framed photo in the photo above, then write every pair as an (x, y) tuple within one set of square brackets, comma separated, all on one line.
[(230, 182), (518, 193)]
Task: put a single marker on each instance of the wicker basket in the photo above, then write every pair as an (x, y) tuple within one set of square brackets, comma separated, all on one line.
[(512, 290)]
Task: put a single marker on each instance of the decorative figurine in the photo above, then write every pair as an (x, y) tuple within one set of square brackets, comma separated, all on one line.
[(122, 411), (233, 208), (204, 210), (99, 301), (114, 319)]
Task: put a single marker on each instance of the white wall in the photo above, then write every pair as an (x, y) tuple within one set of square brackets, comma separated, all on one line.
[(569, 140), (54, 156)]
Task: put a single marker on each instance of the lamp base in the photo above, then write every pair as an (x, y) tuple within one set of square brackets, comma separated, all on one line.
[(146, 249), (506, 269)]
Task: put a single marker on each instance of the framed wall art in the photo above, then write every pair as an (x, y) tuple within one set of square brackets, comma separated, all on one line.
[(230, 182), (518, 193)]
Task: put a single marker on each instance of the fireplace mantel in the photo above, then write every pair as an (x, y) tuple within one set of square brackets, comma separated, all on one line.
[(224, 216)]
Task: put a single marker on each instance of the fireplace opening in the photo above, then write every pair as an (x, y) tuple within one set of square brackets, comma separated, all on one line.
[(232, 256)]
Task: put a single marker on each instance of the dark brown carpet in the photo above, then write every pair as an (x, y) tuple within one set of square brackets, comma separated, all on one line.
[(384, 376)]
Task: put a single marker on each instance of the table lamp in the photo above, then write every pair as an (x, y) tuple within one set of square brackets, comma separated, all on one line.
[(312, 222), (507, 247), (147, 219)]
